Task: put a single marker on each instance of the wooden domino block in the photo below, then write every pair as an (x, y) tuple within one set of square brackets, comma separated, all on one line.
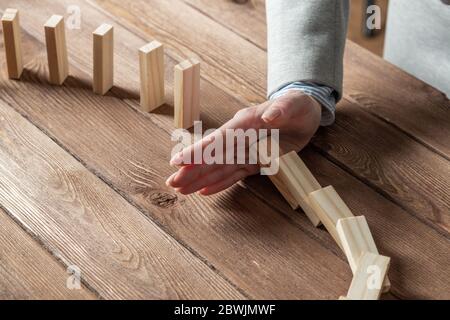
[(356, 238), (187, 93), (329, 208), (103, 59), (12, 42), (151, 61), (55, 37), (368, 277), (296, 182)]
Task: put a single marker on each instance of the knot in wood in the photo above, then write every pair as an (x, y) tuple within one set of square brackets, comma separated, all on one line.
[(163, 199)]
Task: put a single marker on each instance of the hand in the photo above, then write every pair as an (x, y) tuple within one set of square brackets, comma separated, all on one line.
[(296, 115)]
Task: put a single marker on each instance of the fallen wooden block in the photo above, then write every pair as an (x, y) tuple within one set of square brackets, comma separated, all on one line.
[(12, 43), (151, 61), (103, 39), (187, 93), (329, 208), (55, 37), (356, 238), (368, 278), (296, 182)]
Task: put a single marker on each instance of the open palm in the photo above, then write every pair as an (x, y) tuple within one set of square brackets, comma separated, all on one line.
[(295, 114)]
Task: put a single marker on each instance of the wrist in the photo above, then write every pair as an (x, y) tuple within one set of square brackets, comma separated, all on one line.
[(324, 95)]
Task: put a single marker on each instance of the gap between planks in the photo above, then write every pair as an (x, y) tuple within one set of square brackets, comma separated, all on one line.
[(122, 195), (342, 163)]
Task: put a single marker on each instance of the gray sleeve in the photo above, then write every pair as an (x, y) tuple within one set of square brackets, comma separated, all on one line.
[(306, 40)]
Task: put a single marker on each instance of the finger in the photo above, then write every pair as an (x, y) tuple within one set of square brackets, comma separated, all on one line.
[(284, 109), (212, 178), (222, 185), (188, 174), (187, 155)]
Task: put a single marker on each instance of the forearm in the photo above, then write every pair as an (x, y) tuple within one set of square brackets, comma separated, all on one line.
[(306, 42)]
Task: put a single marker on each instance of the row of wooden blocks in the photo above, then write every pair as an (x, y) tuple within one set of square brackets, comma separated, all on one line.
[(151, 61), (352, 234)]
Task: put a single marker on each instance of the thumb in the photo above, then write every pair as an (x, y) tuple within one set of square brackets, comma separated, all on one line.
[(284, 108)]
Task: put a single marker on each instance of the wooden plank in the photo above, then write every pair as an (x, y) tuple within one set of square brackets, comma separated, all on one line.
[(120, 252), (425, 256), (12, 43), (58, 63), (294, 179), (103, 74), (216, 47), (408, 174), (369, 275), (119, 152), (329, 208), (356, 238), (27, 271), (394, 230), (151, 59), (352, 144), (389, 93), (187, 93), (398, 99)]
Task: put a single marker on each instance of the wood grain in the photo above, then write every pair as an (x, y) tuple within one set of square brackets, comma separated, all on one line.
[(395, 96), (82, 221), (126, 159), (414, 272), (423, 195), (186, 93), (103, 48), (217, 48), (27, 271), (356, 239), (295, 179), (58, 61), (399, 99), (151, 64), (404, 171), (12, 43), (135, 162), (362, 287), (329, 208)]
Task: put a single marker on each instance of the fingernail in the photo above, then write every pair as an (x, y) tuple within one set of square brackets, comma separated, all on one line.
[(271, 114), (176, 159), (170, 179)]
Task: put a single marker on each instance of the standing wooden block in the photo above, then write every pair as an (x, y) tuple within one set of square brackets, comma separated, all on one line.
[(151, 60), (187, 93), (103, 59), (55, 37), (369, 275), (295, 181), (329, 208), (12, 42), (356, 238)]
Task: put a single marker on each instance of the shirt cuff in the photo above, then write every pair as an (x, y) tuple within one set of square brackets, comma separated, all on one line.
[(323, 94)]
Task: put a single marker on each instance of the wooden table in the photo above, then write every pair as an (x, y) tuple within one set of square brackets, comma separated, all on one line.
[(82, 176)]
